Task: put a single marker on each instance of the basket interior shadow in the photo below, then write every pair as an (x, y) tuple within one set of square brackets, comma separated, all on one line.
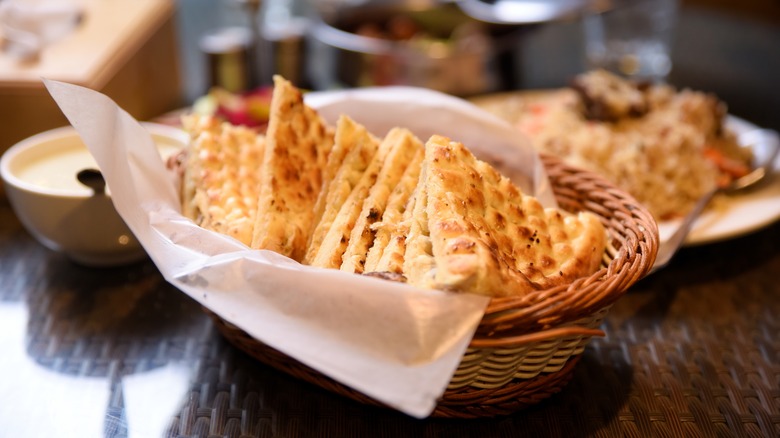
[(525, 348)]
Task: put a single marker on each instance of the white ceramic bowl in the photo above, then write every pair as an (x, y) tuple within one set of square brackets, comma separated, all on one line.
[(60, 212)]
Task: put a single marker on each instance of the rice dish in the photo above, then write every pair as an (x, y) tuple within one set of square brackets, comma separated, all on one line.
[(665, 147)]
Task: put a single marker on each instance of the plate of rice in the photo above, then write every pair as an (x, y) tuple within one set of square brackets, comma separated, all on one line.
[(666, 147)]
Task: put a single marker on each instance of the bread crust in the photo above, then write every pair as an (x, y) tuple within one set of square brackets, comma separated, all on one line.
[(297, 147), (432, 215), (396, 153), (486, 236), (221, 176), (387, 251), (344, 194)]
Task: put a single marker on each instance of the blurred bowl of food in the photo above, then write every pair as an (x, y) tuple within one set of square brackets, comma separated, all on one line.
[(56, 190), (428, 43)]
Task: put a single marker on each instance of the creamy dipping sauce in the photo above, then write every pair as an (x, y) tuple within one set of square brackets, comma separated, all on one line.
[(57, 170)]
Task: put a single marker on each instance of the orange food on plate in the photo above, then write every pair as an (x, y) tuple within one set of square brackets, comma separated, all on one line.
[(666, 147)]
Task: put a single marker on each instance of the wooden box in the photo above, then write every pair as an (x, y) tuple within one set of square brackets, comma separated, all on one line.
[(126, 49)]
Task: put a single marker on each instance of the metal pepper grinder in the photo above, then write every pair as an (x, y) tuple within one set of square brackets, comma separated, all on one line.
[(273, 42), (282, 26), (229, 59), (258, 58), (234, 54)]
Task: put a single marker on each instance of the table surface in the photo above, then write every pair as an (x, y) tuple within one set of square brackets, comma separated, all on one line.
[(692, 350)]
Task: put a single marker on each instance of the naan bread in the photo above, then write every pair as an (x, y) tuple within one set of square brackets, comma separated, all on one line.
[(433, 216), (343, 144), (387, 252), (297, 146), (346, 193), (474, 231), (221, 176), (396, 152), (419, 265)]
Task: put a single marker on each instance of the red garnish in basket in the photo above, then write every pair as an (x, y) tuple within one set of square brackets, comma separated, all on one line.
[(246, 109)]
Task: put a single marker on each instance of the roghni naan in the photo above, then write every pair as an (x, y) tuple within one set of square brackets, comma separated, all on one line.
[(297, 146), (448, 221), (479, 233), (397, 151), (221, 176), (345, 194), (386, 254)]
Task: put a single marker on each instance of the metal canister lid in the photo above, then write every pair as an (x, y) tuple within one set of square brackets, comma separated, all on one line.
[(230, 60), (287, 48)]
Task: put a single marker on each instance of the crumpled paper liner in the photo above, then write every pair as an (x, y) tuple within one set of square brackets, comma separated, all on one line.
[(390, 341)]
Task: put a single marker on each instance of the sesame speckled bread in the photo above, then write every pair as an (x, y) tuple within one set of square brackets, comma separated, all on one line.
[(474, 231), (344, 143), (430, 215), (343, 192), (419, 265), (297, 146), (387, 252), (360, 148), (221, 176), (398, 150)]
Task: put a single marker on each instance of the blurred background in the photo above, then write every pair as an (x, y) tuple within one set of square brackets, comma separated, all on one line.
[(155, 56)]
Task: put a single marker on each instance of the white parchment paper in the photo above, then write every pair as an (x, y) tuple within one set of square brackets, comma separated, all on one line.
[(395, 343)]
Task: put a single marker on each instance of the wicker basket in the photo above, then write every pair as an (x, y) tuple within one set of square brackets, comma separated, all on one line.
[(525, 348)]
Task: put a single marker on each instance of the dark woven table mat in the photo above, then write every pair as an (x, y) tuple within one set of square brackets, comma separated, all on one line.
[(690, 351)]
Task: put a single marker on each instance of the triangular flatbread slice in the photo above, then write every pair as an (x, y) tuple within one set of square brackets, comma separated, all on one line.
[(297, 147), (345, 193), (475, 231), (221, 176), (396, 152), (387, 252), (419, 265), (344, 143)]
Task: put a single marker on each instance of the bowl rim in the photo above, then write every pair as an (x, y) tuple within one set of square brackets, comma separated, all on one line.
[(325, 30), (60, 133)]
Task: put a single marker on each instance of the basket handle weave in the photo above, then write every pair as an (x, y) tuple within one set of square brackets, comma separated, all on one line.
[(544, 335)]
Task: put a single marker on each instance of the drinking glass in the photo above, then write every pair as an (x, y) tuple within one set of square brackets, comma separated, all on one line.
[(632, 38)]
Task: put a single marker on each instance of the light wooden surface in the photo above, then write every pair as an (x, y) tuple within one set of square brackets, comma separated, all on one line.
[(109, 35), (127, 49)]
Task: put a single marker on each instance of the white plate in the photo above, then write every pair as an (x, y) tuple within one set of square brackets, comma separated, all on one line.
[(742, 213)]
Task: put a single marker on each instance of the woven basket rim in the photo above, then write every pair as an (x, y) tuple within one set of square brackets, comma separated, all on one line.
[(535, 318), (514, 321), (463, 403), (629, 224)]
